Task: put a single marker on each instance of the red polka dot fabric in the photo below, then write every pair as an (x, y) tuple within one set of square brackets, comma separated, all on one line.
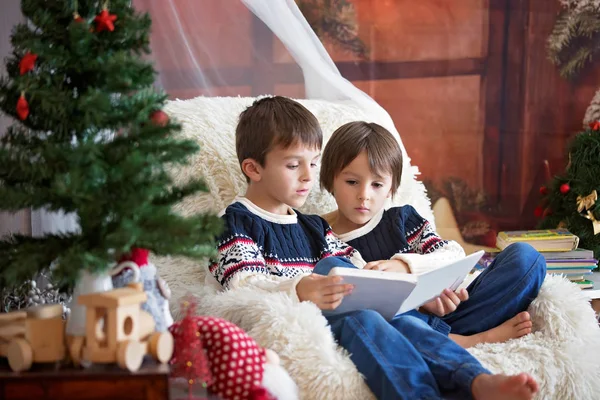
[(236, 360)]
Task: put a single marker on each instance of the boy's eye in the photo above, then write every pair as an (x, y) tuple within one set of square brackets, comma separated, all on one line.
[(378, 185), (293, 166), (313, 165), (351, 182)]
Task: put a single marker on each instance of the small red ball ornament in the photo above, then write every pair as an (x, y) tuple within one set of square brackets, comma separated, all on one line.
[(543, 190), (159, 118), (538, 212), (565, 188)]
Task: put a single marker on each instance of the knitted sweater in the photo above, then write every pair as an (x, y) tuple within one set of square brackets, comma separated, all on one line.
[(401, 233), (273, 251)]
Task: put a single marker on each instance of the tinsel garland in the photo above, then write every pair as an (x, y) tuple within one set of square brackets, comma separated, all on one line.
[(34, 292)]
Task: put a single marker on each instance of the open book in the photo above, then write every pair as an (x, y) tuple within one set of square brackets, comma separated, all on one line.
[(393, 293)]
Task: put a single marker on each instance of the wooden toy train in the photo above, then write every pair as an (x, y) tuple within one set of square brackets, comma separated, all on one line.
[(117, 331)]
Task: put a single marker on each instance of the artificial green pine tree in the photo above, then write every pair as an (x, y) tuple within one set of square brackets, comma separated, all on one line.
[(90, 139), (571, 199)]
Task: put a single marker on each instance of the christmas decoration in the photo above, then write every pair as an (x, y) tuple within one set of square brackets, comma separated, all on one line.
[(538, 212), (105, 21), (22, 107), (584, 207), (156, 288), (35, 292), (237, 363), (336, 21), (77, 17), (595, 125), (189, 360), (61, 153), (543, 190), (574, 40), (575, 204), (27, 63), (159, 118)]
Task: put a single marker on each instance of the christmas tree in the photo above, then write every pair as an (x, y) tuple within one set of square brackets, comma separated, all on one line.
[(574, 40), (90, 138), (571, 199)]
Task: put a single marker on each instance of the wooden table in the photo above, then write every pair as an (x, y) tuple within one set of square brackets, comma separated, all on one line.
[(45, 382)]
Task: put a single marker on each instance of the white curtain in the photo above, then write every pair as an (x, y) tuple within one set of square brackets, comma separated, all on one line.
[(187, 56)]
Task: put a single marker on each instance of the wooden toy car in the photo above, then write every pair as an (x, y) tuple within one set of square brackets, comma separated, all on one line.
[(118, 330), (35, 335)]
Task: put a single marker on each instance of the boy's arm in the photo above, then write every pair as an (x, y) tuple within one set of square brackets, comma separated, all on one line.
[(341, 249), (428, 250), (240, 263)]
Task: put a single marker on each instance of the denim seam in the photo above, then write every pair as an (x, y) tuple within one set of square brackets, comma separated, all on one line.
[(382, 357)]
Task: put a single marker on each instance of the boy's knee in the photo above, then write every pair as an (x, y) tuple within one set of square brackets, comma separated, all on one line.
[(526, 259)]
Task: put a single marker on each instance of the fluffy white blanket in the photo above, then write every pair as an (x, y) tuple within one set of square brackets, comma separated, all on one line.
[(563, 353)]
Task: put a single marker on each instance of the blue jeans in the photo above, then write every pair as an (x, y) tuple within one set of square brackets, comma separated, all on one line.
[(504, 289), (404, 358)]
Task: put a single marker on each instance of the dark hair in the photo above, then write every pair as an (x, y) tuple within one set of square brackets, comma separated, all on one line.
[(349, 140), (275, 121)]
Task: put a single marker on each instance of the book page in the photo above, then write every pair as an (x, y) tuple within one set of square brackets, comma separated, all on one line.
[(374, 290), (431, 284)]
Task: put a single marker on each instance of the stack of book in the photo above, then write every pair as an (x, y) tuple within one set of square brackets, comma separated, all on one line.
[(558, 247)]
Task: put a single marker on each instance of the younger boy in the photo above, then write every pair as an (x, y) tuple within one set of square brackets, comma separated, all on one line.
[(361, 167), (269, 245)]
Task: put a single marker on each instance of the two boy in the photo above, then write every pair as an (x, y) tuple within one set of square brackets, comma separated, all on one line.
[(268, 244)]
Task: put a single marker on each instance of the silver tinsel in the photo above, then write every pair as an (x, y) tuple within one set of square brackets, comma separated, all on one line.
[(32, 293)]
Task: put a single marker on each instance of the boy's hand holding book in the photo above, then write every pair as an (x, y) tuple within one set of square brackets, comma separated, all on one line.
[(389, 266), (327, 292), (446, 303)]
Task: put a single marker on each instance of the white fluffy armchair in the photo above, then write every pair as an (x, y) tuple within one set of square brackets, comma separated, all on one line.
[(563, 353)]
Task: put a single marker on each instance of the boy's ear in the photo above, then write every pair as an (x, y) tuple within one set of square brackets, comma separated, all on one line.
[(252, 169)]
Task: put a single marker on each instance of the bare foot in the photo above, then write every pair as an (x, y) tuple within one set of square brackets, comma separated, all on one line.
[(517, 326), (497, 387)]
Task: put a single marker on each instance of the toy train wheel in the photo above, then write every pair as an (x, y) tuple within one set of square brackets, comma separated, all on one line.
[(130, 355), (76, 350), (20, 355), (161, 346)]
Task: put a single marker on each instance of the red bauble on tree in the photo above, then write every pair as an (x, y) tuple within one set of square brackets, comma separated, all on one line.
[(538, 212), (105, 21), (77, 17), (595, 125), (159, 118), (565, 188), (22, 107), (543, 190), (189, 360), (27, 63)]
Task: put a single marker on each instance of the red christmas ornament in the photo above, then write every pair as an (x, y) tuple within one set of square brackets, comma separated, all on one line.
[(543, 190), (595, 125), (27, 63), (22, 107), (77, 17), (105, 21), (538, 212), (159, 118), (189, 360), (565, 188), (137, 255)]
